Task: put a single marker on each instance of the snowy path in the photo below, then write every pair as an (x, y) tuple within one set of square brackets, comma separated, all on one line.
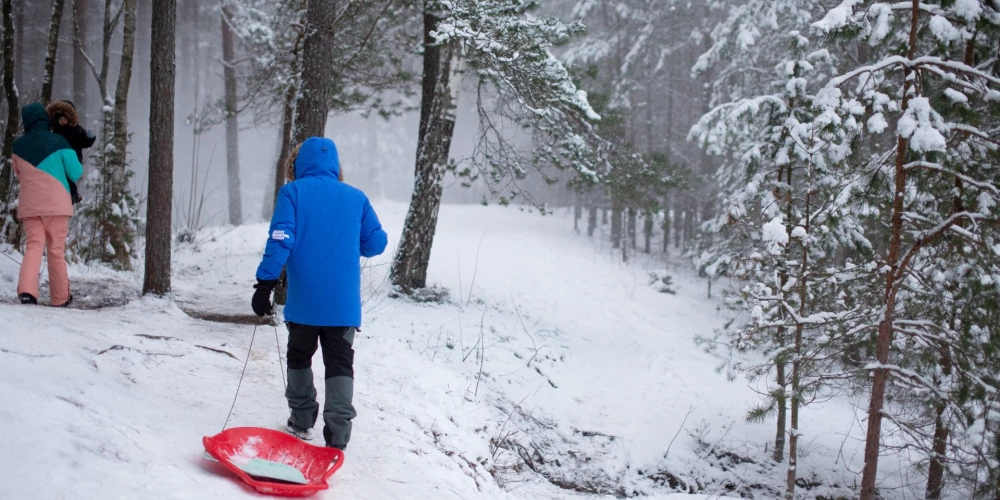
[(96, 405)]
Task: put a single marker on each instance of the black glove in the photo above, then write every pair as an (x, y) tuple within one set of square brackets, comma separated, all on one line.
[(262, 297)]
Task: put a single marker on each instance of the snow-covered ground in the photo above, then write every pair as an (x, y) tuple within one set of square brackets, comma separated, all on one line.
[(553, 371)]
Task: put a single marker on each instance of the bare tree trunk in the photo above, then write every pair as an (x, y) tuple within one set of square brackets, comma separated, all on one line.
[(50, 55), (647, 232), (8, 224), (120, 229), (102, 77), (631, 221), (80, 69), (935, 471), (666, 225), (591, 219), (162, 69), (689, 220), (317, 72), (793, 435), (232, 121), (678, 220), (18, 27), (440, 89), (616, 225), (312, 105), (881, 375), (782, 404)]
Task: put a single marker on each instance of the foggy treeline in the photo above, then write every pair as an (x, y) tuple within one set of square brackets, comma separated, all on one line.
[(832, 163)]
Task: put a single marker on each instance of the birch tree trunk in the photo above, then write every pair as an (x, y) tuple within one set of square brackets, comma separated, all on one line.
[(8, 223), (50, 54), (439, 96), (881, 375), (120, 229), (232, 122), (162, 70)]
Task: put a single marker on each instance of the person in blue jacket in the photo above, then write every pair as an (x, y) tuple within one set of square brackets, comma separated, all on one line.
[(320, 230)]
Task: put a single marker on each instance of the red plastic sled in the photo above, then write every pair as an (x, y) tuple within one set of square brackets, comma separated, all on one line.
[(245, 443)]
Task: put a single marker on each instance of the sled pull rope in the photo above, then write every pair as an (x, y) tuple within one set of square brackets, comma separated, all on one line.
[(245, 363), (277, 343)]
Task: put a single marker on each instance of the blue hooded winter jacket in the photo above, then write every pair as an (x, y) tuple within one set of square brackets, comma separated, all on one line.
[(320, 230)]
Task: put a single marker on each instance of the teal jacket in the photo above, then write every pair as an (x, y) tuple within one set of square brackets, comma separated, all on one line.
[(45, 164)]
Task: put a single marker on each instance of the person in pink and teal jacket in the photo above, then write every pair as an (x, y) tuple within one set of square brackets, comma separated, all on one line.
[(45, 164)]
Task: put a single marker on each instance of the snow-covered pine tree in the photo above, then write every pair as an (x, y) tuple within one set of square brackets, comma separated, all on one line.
[(785, 216), (933, 186), (758, 67)]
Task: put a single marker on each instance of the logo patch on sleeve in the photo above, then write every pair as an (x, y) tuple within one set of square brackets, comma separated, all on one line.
[(278, 235)]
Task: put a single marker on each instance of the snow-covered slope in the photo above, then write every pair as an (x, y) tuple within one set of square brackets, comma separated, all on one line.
[(553, 371)]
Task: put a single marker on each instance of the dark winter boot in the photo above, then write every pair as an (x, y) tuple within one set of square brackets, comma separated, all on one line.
[(299, 432), (28, 299), (68, 302)]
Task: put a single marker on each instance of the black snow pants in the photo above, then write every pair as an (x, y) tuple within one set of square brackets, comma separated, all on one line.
[(338, 361)]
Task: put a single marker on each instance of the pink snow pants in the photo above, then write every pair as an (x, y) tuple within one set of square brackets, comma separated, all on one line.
[(45, 232)]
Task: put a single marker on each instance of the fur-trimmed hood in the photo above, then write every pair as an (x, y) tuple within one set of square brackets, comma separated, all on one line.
[(55, 109)]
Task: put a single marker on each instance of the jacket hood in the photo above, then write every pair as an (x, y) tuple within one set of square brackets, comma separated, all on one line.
[(55, 109), (318, 157), (35, 118)]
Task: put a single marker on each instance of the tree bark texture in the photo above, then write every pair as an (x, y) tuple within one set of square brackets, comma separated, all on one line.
[(162, 70), (8, 223), (881, 375), (591, 220), (782, 404), (232, 121), (81, 72), (647, 232), (935, 471), (312, 104), (18, 27), (120, 229), (796, 401), (102, 77), (317, 72), (440, 89), (50, 54)]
